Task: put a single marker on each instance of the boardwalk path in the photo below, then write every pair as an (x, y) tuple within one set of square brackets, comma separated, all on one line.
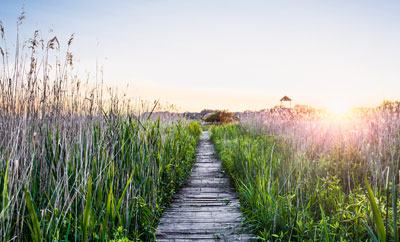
[(206, 209)]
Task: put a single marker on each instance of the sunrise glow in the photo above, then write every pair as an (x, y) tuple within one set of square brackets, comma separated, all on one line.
[(339, 108)]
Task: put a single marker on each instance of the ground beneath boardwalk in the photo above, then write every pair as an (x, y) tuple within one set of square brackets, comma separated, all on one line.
[(206, 208)]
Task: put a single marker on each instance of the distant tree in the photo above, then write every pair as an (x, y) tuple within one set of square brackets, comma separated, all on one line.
[(212, 117), (393, 106), (219, 116), (227, 117)]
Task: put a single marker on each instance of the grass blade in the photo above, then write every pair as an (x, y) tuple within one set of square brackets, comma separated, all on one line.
[(324, 225), (377, 214), (86, 213), (35, 228), (104, 228), (5, 192)]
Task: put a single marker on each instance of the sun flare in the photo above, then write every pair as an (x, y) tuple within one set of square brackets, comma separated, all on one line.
[(338, 108)]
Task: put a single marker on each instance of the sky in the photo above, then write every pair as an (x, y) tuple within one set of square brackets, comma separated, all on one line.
[(236, 55)]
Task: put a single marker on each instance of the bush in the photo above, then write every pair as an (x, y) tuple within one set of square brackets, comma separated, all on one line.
[(219, 116)]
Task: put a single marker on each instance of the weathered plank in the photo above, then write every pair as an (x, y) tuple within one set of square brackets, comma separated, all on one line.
[(207, 208)]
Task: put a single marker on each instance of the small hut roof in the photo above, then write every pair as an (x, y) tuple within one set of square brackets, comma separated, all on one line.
[(286, 98)]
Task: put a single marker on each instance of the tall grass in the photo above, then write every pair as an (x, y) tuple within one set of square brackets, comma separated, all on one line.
[(78, 163), (302, 178)]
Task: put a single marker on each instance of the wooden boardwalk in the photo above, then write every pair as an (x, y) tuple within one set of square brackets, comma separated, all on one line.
[(206, 208)]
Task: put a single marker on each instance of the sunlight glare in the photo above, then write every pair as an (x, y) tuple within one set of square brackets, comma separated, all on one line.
[(338, 108)]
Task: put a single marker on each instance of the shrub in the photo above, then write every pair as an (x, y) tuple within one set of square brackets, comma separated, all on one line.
[(223, 117)]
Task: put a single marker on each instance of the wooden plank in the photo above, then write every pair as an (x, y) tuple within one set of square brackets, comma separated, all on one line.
[(205, 237), (203, 189), (184, 210), (225, 219)]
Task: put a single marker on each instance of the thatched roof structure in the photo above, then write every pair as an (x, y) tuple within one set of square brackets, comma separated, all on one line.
[(285, 98)]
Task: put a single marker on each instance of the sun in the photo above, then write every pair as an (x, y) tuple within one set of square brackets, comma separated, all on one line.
[(338, 108)]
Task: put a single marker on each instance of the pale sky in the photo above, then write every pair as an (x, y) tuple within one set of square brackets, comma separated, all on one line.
[(234, 55)]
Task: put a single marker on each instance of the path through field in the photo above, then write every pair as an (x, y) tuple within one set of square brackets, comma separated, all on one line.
[(206, 208)]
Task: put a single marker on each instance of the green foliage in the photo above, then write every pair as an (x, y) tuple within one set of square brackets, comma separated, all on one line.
[(5, 191), (34, 226), (223, 117), (113, 172), (377, 215), (119, 236), (291, 196), (86, 212)]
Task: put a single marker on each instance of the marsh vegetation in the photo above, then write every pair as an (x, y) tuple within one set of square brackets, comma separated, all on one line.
[(308, 177), (78, 162)]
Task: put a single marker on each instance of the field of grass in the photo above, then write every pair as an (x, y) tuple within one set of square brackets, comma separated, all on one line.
[(84, 180), (78, 163), (302, 178)]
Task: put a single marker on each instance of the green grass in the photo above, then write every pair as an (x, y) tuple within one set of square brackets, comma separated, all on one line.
[(287, 196), (114, 173)]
